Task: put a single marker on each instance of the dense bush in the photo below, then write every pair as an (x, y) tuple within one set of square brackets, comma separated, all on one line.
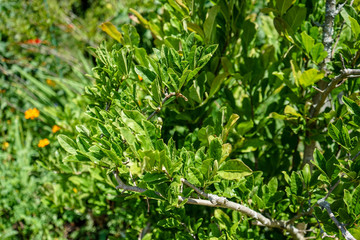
[(206, 120)]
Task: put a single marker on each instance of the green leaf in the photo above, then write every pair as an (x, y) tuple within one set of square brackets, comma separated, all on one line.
[(291, 111), (320, 162), (195, 28), (355, 27), (333, 132), (309, 77), (295, 16), (147, 75), (111, 30), (215, 149), (353, 107), (208, 52), (152, 194), (273, 186), (284, 5), (229, 125), (210, 24), (83, 129), (82, 143), (356, 200), (234, 170), (307, 41), (216, 83), (348, 200), (128, 137), (155, 177), (318, 53), (103, 130), (296, 184), (306, 174), (156, 91), (276, 197), (67, 144), (151, 159), (195, 176), (226, 150), (131, 37), (223, 219), (248, 34)]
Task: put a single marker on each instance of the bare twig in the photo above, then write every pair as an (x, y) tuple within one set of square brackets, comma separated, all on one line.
[(300, 214), (167, 97), (122, 185), (223, 202), (345, 73), (144, 231), (340, 7), (331, 189), (216, 201), (355, 156), (355, 58), (187, 229), (346, 234)]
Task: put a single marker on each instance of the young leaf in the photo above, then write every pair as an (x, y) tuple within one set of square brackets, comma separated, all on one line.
[(230, 124), (67, 144), (309, 77), (355, 27), (210, 24), (234, 170), (215, 149), (111, 30), (307, 41), (284, 5), (354, 108)]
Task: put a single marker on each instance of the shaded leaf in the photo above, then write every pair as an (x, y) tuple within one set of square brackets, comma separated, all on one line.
[(234, 169)]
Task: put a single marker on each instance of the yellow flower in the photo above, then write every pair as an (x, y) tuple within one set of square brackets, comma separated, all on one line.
[(5, 145), (32, 113), (43, 142), (50, 82), (75, 190), (55, 128), (140, 78)]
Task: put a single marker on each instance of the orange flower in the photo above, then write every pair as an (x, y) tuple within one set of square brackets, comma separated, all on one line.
[(43, 142), (33, 41), (50, 83), (140, 78), (32, 113), (55, 128), (5, 145), (75, 190)]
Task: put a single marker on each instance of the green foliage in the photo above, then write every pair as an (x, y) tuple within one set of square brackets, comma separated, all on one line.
[(220, 104), (187, 101)]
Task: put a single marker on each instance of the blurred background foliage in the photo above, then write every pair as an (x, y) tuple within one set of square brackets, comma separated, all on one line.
[(44, 62)]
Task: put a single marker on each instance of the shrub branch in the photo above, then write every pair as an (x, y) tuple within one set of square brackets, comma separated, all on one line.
[(216, 201), (346, 234), (167, 97)]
